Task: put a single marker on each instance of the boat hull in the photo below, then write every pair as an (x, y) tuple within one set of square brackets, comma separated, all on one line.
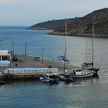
[(44, 79)]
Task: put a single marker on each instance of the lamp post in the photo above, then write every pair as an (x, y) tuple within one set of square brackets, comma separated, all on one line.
[(42, 55), (25, 48)]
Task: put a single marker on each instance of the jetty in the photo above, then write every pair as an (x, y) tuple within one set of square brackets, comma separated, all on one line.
[(26, 66)]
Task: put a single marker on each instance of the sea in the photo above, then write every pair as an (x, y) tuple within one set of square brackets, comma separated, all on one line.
[(84, 93)]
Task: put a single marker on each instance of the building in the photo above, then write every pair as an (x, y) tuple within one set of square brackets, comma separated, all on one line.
[(5, 57)]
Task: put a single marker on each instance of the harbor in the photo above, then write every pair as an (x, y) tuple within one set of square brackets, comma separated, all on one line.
[(54, 54), (81, 93), (25, 66), (15, 66)]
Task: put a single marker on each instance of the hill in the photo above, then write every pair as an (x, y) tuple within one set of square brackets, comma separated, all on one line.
[(80, 26), (50, 25)]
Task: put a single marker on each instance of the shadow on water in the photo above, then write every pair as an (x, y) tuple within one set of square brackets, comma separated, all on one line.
[(75, 82), (30, 81), (82, 81), (19, 81)]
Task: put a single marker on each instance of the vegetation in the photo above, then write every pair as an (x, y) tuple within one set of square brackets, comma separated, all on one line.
[(79, 26)]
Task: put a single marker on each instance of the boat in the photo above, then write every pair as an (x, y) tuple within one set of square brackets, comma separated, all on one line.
[(81, 73), (66, 77), (45, 78), (2, 82), (52, 78), (90, 65), (64, 57), (87, 68)]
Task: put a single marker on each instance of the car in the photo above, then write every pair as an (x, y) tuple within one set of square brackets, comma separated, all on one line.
[(37, 58), (15, 59)]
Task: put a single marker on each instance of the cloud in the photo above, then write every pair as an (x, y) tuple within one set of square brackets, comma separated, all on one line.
[(7, 1), (21, 1), (33, 11), (14, 1)]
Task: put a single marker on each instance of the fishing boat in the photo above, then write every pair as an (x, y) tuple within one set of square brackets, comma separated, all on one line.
[(52, 78)]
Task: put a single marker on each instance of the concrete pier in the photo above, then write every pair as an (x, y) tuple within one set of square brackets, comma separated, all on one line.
[(28, 61)]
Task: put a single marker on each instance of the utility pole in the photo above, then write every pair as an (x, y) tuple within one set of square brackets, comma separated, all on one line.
[(13, 48), (42, 55), (25, 48)]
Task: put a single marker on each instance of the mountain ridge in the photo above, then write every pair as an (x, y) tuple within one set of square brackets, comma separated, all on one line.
[(79, 26)]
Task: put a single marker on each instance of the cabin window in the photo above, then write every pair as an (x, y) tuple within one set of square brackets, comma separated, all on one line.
[(5, 58)]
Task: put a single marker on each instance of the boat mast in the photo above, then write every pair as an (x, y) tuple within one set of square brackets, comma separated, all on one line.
[(93, 36), (65, 51), (65, 39), (86, 53)]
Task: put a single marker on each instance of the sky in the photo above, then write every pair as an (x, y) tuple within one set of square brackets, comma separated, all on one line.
[(29, 12)]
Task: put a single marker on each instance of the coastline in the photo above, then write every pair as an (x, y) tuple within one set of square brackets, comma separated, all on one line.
[(74, 35)]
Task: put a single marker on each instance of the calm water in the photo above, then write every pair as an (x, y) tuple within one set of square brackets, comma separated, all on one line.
[(89, 93)]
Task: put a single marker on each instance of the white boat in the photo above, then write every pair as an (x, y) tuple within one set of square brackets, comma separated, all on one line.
[(90, 65), (82, 73)]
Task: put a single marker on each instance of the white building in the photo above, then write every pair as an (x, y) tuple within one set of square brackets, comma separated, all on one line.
[(5, 55)]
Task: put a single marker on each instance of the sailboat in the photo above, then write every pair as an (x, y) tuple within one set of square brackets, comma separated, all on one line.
[(64, 57), (87, 69), (65, 76), (90, 66)]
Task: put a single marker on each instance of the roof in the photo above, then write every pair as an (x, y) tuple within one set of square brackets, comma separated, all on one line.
[(5, 52), (32, 68)]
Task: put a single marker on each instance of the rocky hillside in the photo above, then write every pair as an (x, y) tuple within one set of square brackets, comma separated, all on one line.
[(50, 25), (81, 26)]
